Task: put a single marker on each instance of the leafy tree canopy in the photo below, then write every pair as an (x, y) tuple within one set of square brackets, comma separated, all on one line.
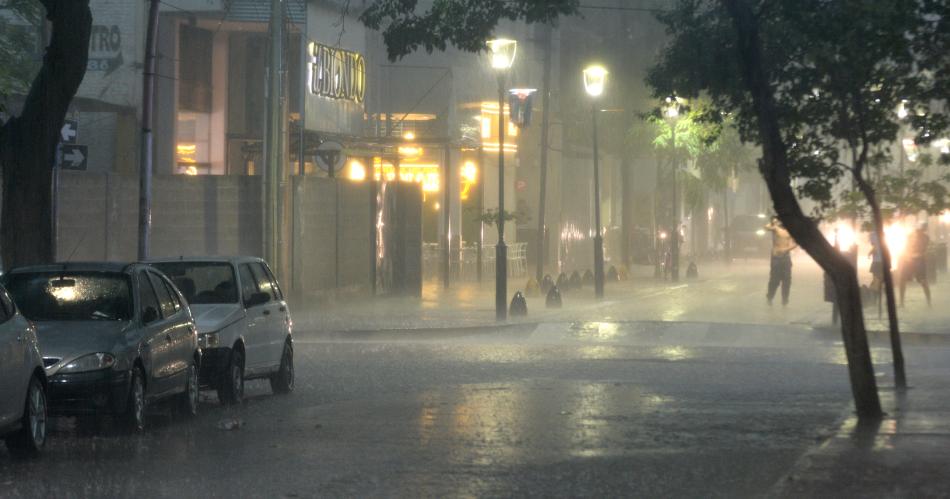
[(465, 24), (19, 45), (838, 69)]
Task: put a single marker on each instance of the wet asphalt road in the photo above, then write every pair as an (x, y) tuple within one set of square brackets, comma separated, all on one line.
[(549, 413)]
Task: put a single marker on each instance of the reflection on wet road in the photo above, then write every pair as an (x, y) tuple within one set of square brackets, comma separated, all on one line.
[(591, 410)]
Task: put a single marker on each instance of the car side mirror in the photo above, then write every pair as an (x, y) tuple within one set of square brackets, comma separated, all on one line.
[(256, 299), (149, 315)]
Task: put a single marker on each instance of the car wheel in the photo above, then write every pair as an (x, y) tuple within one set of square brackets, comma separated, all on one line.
[(31, 438), (134, 416), (231, 391), (188, 401), (282, 381)]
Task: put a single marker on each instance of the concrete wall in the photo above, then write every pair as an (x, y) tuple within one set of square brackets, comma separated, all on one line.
[(334, 226), (209, 215)]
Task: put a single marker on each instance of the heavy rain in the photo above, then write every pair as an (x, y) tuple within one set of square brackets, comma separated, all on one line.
[(457, 248)]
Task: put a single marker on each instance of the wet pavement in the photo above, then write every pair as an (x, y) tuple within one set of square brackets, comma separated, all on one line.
[(726, 294), (574, 409)]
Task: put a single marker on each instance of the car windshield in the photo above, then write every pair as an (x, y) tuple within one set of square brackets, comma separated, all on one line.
[(72, 296), (202, 282)]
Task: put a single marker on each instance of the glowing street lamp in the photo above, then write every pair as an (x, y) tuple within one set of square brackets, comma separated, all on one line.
[(502, 58), (595, 79), (502, 53)]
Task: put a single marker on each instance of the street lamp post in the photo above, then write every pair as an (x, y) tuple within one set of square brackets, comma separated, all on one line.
[(595, 78), (502, 58), (672, 112)]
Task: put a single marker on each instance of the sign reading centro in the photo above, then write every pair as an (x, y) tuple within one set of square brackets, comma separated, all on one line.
[(336, 73)]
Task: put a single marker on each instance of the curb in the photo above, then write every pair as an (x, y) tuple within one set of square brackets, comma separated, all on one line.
[(880, 336), (426, 332)]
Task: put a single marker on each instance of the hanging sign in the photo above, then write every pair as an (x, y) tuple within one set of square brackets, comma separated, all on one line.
[(336, 73)]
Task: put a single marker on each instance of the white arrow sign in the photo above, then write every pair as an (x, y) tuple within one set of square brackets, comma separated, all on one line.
[(74, 157), (69, 132)]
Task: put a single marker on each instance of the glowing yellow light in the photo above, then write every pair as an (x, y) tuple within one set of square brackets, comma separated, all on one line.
[(945, 217), (512, 130), (486, 127), (410, 135), (411, 151), (469, 171), (436, 206), (186, 153), (845, 236), (595, 79), (895, 235), (64, 293), (503, 53), (191, 170), (356, 171)]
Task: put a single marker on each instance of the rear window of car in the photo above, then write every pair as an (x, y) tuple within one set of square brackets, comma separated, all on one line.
[(71, 296), (202, 283)]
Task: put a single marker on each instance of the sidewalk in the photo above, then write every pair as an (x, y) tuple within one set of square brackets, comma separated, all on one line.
[(731, 294), (907, 454)]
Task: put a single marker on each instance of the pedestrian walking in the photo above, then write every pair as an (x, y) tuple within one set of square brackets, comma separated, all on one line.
[(914, 264), (780, 270)]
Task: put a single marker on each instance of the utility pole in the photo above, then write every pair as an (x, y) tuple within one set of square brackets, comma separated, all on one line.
[(273, 147), (545, 124), (145, 159)]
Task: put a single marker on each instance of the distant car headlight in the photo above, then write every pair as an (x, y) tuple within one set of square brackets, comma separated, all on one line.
[(760, 232), (208, 340), (91, 362)]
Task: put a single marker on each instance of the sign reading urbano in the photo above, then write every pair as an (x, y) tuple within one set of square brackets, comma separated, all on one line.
[(336, 73)]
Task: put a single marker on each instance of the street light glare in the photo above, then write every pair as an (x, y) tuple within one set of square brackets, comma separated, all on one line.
[(503, 53), (595, 79)]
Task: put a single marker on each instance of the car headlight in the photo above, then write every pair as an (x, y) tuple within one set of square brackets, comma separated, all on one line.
[(91, 362), (208, 340), (760, 232)]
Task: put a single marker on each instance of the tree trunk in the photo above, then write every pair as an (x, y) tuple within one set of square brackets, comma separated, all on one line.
[(775, 169), (28, 142), (897, 352)]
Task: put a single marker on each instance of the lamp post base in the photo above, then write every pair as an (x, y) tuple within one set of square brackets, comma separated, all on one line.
[(501, 281)]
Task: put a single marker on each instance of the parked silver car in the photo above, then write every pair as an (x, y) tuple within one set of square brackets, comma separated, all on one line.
[(114, 338), (22, 383), (244, 325)]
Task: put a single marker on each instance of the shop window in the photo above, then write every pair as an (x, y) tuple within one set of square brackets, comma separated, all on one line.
[(193, 129), (194, 82), (193, 147)]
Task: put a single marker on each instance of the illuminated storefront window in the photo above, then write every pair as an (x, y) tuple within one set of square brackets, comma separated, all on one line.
[(489, 129)]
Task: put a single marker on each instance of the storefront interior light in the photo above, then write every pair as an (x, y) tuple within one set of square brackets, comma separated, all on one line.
[(469, 171), (410, 135), (356, 171)]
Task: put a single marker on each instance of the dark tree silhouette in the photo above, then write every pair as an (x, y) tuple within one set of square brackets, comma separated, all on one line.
[(28, 141)]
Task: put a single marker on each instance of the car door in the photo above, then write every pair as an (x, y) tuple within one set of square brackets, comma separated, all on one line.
[(13, 345), (176, 328), (277, 320), (255, 335), (159, 345)]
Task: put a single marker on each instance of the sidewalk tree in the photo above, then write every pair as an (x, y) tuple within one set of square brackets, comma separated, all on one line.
[(20, 32), (816, 85), (711, 147), (28, 141), (465, 24)]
